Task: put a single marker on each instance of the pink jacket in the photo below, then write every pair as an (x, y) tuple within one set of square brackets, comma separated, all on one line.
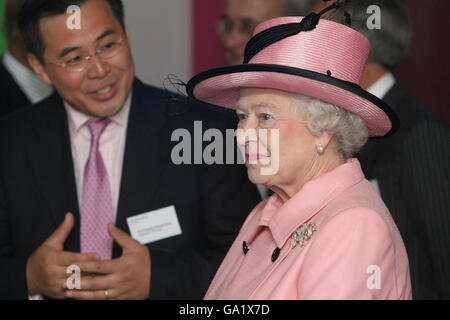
[(353, 249)]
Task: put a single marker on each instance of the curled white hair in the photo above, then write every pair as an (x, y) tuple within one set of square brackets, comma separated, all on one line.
[(349, 131)]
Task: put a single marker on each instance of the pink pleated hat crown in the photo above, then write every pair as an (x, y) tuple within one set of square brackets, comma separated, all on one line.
[(321, 59)]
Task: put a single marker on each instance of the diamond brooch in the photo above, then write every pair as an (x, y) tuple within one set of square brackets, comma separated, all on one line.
[(303, 234)]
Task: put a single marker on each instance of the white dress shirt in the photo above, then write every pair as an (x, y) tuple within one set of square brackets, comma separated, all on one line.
[(32, 86), (381, 87)]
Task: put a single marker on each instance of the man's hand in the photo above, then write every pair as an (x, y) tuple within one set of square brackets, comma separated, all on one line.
[(46, 267), (127, 277)]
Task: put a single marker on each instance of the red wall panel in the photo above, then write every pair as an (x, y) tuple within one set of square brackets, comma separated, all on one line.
[(208, 50), (425, 73)]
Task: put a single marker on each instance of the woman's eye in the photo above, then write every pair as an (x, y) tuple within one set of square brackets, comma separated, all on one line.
[(266, 116), (242, 116)]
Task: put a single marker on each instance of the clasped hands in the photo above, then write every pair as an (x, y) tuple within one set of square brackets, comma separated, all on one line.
[(127, 277)]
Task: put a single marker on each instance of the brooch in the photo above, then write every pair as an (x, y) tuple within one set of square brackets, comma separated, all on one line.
[(303, 234)]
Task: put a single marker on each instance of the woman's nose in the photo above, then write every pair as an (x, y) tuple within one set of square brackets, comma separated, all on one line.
[(247, 132)]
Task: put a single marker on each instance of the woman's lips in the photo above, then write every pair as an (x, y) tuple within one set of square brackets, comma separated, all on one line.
[(106, 93), (254, 157)]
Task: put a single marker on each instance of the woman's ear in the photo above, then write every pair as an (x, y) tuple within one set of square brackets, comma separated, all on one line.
[(39, 68), (323, 142), (324, 139)]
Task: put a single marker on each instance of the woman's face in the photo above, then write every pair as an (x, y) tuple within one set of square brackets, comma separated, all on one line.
[(279, 148)]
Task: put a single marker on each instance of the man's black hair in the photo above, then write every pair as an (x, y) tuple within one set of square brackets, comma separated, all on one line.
[(33, 11)]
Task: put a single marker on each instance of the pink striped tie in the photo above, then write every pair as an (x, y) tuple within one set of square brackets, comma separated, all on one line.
[(96, 205)]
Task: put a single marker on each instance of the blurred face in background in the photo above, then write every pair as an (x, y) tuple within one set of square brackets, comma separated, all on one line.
[(319, 6), (240, 17)]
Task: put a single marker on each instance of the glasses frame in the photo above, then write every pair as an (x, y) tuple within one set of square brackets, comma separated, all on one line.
[(97, 53)]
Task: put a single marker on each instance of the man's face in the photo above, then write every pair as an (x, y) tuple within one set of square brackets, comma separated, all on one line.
[(100, 90), (239, 19)]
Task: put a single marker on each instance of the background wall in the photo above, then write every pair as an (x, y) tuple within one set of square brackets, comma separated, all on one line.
[(2, 38), (160, 33), (207, 46), (426, 70)]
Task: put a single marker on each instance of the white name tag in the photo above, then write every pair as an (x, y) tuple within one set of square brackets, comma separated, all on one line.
[(154, 225)]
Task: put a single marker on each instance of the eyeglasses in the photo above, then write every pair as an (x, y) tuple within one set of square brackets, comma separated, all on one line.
[(76, 62), (245, 26)]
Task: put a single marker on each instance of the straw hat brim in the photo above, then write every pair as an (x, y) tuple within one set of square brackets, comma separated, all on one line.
[(221, 86)]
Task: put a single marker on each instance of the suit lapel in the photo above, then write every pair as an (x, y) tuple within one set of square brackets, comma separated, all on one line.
[(394, 95), (50, 156), (145, 156), (370, 154)]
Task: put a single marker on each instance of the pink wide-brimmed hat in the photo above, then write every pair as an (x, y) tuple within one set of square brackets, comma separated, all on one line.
[(317, 58)]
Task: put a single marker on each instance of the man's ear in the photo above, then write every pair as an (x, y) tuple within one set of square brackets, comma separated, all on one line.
[(39, 68)]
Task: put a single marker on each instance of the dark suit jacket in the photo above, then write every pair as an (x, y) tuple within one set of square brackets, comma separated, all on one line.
[(11, 97), (412, 168), (37, 188)]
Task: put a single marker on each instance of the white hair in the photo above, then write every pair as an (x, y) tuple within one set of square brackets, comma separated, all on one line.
[(349, 131)]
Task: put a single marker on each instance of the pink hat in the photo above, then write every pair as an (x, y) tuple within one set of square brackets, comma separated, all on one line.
[(321, 59)]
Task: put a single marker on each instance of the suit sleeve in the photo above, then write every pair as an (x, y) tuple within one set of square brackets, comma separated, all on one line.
[(227, 197), (352, 257), (426, 167), (12, 268)]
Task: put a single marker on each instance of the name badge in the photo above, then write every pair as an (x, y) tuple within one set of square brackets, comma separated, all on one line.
[(154, 225)]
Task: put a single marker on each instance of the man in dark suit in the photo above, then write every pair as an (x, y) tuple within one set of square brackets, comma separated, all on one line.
[(12, 95), (101, 149), (409, 169), (19, 85)]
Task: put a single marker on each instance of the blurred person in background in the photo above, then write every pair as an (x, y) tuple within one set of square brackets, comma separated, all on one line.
[(19, 85), (409, 169), (240, 17)]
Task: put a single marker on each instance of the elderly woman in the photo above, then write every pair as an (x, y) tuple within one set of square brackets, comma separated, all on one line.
[(325, 233)]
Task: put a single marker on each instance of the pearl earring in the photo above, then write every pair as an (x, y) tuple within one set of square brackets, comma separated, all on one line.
[(321, 149)]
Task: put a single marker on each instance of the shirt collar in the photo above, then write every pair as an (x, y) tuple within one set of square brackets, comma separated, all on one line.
[(381, 87), (78, 119), (32, 86), (284, 219)]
